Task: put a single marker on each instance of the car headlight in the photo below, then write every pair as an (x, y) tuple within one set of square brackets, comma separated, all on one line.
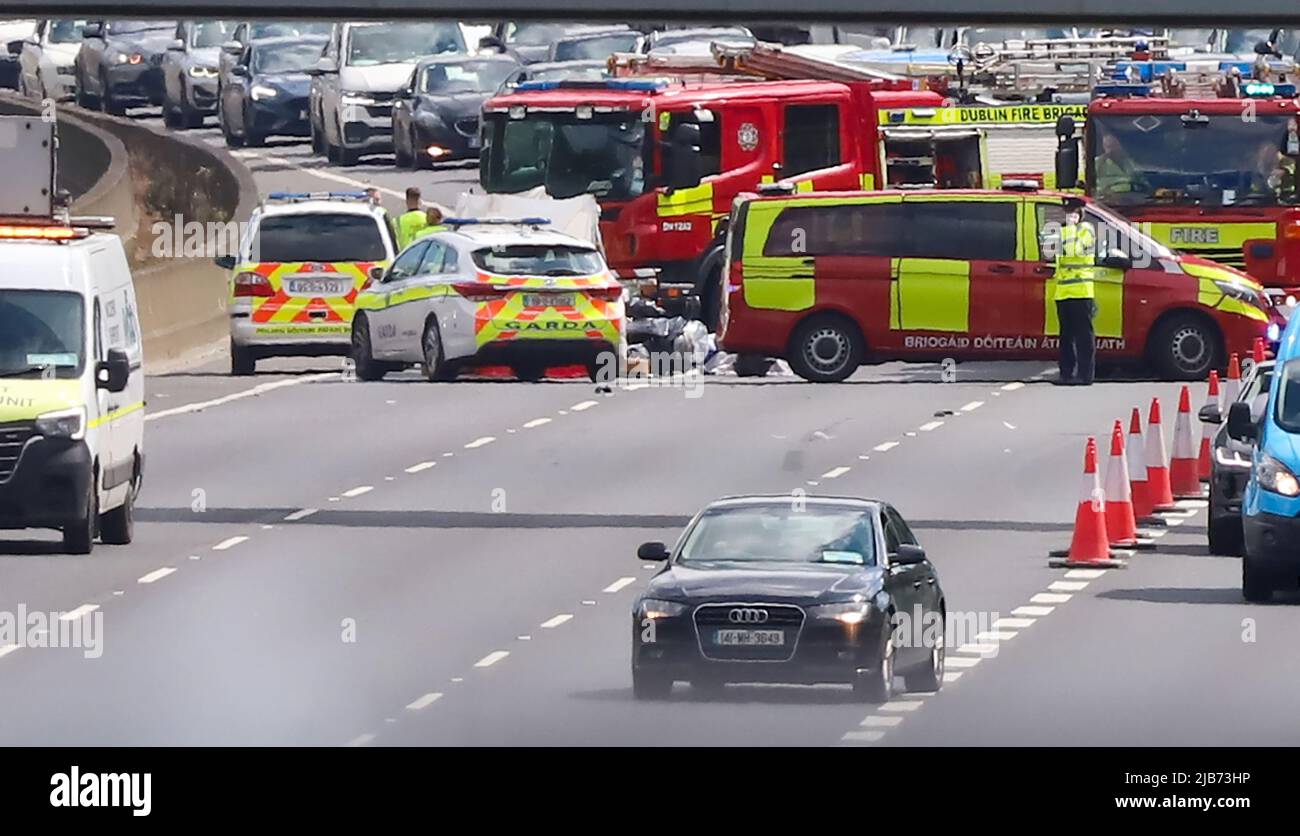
[(261, 92), (357, 99), (1240, 292), (853, 612), (66, 423), (653, 608), (202, 72), (133, 58), (1275, 476)]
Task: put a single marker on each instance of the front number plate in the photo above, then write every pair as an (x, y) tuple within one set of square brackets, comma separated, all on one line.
[(750, 638)]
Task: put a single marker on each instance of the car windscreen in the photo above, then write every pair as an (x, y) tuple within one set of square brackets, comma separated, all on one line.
[(66, 31), (289, 29), (396, 43), (465, 77), (784, 532), (41, 333), (1288, 398), (286, 58), (211, 33), (130, 27), (318, 236), (534, 34), (602, 46), (538, 260)]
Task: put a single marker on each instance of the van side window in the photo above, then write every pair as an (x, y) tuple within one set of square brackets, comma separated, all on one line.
[(964, 230), (99, 332), (1050, 217), (875, 229), (812, 138), (130, 321)]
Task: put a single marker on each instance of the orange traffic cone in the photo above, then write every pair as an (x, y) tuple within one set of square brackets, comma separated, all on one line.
[(1184, 471), (1121, 523), (1159, 490), (1207, 429), (1232, 386), (1143, 507), (1259, 355), (1090, 546)]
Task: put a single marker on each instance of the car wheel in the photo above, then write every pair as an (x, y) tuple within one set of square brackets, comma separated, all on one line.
[(347, 156), (1256, 587), (752, 365), (107, 103), (117, 527), (435, 366), (400, 158), (363, 358), (929, 676), (232, 141), (877, 685), (79, 536), (251, 137), (1185, 347), (1226, 536), (317, 139), (171, 118), (418, 160), (711, 299), (83, 98), (243, 361), (826, 349), (529, 372), (650, 686)]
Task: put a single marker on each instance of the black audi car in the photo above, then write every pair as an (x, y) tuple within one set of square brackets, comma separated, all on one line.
[(266, 93), (1230, 463), (436, 115), (120, 63), (790, 589)]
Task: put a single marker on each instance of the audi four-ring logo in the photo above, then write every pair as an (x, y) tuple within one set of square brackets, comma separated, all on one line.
[(747, 615)]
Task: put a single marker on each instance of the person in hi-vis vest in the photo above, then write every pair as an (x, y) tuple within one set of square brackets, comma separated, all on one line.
[(1076, 296)]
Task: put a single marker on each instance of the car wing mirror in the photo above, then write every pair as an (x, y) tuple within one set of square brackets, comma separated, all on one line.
[(375, 273), (112, 374), (232, 47), (1241, 423), (1116, 260), (653, 550), (1211, 414), (908, 555), (225, 262), (176, 46)]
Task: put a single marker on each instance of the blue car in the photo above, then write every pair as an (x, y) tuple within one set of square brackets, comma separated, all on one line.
[(1271, 502), (267, 91)]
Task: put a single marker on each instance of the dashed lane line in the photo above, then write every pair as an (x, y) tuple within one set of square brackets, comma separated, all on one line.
[(358, 491), (962, 661), (301, 514), (902, 706), (972, 406), (6, 649), (1067, 586), (80, 612), (879, 721), (536, 422), (1085, 574), (492, 658), (229, 543), (863, 736), (156, 575), (555, 621), (424, 701), (1050, 598), (585, 405), (1036, 612), (931, 426), (619, 584), (260, 389), (480, 442), (835, 473), (886, 447), (1013, 623), (360, 740), (420, 467)]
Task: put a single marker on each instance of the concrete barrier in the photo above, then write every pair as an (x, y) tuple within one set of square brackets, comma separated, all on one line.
[(147, 178)]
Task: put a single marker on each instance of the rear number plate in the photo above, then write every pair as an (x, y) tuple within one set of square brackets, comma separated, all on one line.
[(548, 300), (318, 287), (750, 638)]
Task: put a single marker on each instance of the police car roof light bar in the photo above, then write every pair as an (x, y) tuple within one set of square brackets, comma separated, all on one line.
[(496, 221), (293, 197)]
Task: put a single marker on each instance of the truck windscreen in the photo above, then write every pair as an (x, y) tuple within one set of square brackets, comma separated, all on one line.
[(41, 333), (605, 157), (1190, 159)]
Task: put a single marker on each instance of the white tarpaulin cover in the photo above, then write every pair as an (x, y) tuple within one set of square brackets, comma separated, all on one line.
[(576, 216)]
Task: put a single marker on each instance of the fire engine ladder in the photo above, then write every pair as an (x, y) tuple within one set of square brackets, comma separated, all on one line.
[(1021, 69), (762, 60)]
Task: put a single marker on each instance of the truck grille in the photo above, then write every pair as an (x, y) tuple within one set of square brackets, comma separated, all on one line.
[(713, 617), (13, 438), (1231, 256)]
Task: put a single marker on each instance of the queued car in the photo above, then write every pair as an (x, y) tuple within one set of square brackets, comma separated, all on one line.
[(190, 72), (46, 59), (491, 292), (358, 76), (268, 89), (696, 41), (254, 30), (530, 41), (1230, 462), (597, 45), (776, 589), (12, 32), (120, 63), (557, 71), (436, 115)]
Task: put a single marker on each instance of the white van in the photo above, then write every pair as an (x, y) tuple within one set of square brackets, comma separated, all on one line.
[(71, 384)]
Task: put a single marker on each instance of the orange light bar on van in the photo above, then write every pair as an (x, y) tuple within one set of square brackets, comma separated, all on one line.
[(1291, 231), (46, 233)]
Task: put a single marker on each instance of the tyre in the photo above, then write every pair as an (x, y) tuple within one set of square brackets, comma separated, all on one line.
[(171, 118), (363, 358), (243, 361), (83, 98), (343, 155), (752, 365), (1226, 536), (877, 685), (419, 161), (317, 140), (435, 366), (79, 536), (1256, 587), (252, 138), (529, 372), (117, 527), (1185, 347), (107, 103), (191, 118), (650, 686), (826, 349), (929, 676), (400, 158), (232, 141)]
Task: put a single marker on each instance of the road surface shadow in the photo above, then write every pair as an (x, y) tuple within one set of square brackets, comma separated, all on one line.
[(731, 694), (1190, 595), (28, 548), (411, 519)]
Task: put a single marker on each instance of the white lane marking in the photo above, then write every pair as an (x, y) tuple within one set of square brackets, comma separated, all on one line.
[(1013, 623), (996, 636), (479, 442), (524, 638), (1155, 535), (886, 447), (877, 720), (977, 648), (360, 740), (228, 543), (192, 557), (260, 389), (1008, 425), (492, 658), (326, 174), (1049, 598), (1174, 521), (589, 603), (619, 584), (425, 701), (1011, 387), (556, 620), (1192, 503), (1036, 612), (536, 422), (865, 458), (155, 575), (863, 736), (1068, 586), (962, 661), (933, 425), (585, 405), (6, 649), (80, 612), (902, 706), (301, 514), (267, 527), (951, 676), (835, 473), (333, 499), (358, 491), (972, 406), (1085, 574), (422, 466), (448, 455)]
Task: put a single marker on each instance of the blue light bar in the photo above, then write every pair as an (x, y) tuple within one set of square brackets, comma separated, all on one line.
[(1121, 90), (1147, 71), (496, 221), (644, 85), (1264, 90), (317, 196)]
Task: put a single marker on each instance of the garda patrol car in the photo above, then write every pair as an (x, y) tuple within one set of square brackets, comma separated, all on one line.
[(301, 262), (830, 280), (490, 291)]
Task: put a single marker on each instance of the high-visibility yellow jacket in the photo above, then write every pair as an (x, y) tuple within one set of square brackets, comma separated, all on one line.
[(429, 229), (1076, 263), (409, 223)]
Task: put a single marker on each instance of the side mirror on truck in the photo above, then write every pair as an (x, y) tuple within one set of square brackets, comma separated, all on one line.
[(682, 168), (1067, 154), (112, 374)]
